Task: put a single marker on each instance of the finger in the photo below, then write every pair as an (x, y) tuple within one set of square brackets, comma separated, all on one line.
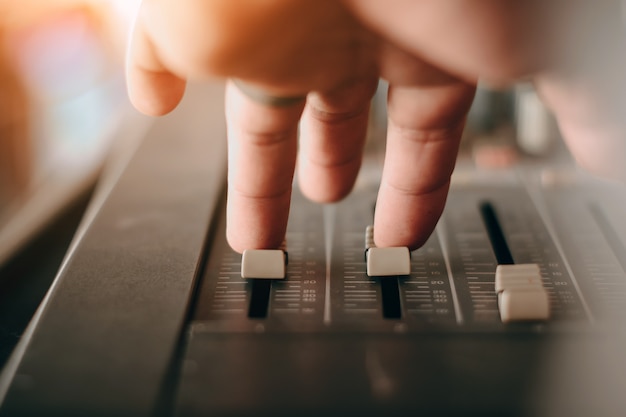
[(152, 88), (333, 132), (591, 123), (262, 145), (588, 97), (424, 131)]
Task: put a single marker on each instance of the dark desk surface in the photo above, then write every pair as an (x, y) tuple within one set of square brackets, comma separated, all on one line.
[(25, 279)]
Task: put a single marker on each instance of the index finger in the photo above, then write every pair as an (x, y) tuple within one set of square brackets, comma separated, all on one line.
[(152, 87), (424, 131), (262, 147)]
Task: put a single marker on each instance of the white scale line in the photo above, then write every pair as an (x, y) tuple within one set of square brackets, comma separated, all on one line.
[(328, 216), (446, 257), (372, 296), (361, 310)]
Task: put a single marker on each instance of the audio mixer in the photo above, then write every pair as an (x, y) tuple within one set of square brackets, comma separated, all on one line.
[(331, 339)]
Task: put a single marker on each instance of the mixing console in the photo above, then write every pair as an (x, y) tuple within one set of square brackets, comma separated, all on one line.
[(330, 340), (451, 284)]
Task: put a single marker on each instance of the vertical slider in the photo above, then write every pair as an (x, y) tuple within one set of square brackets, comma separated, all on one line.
[(262, 266), (521, 295), (383, 262), (388, 264)]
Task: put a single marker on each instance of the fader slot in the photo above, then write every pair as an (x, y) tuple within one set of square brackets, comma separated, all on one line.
[(259, 298), (496, 236), (521, 296), (532, 242), (390, 294), (387, 265)]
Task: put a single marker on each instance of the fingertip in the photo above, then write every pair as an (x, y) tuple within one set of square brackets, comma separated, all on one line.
[(412, 233), (241, 242), (332, 139), (255, 224), (234, 242), (152, 87), (155, 93), (316, 192)]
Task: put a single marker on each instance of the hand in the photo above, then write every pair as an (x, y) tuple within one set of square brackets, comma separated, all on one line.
[(573, 52), (333, 51)]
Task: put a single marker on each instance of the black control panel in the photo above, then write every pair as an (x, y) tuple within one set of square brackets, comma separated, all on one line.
[(329, 339), (451, 285)]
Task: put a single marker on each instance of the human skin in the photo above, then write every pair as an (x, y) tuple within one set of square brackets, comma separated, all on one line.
[(333, 51)]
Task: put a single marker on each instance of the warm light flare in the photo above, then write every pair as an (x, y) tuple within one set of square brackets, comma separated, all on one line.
[(57, 58)]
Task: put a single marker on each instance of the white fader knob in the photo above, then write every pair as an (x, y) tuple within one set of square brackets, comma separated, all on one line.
[(264, 263), (383, 262), (521, 295)]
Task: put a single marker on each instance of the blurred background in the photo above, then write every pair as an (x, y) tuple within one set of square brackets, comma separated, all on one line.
[(62, 97)]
